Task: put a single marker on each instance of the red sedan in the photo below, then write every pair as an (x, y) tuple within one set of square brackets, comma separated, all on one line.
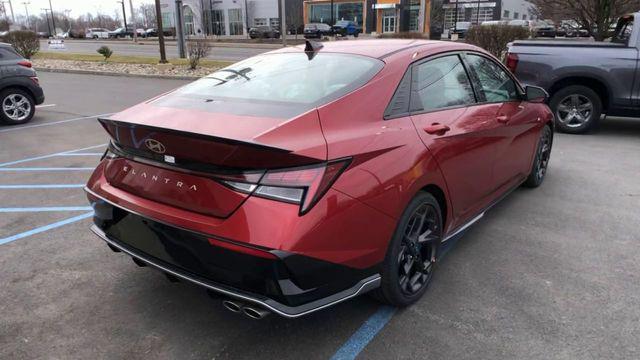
[(297, 179)]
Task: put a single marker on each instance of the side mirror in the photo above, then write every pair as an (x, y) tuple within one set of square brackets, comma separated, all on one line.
[(536, 94)]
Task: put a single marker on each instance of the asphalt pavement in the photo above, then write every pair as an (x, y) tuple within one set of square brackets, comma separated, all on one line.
[(549, 273), (225, 52)]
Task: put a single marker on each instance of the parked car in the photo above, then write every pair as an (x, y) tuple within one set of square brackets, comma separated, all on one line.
[(154, 32), (461, 29), (20, 89), (42, 34), (560, 31), (97, 33), (581, 88), (346, 28), (317, 30), (120, 33), (312, 175), (264, 32), (494, 22), (542, 29), (522, 23)]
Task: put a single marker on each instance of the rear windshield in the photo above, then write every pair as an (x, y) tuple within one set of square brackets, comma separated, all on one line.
[(287, 80)]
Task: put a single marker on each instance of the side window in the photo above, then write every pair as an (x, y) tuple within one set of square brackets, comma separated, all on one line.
[(495, 83), (399, 104), (440, 83)]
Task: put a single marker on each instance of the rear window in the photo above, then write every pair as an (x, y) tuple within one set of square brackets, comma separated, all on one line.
[(286, 79)]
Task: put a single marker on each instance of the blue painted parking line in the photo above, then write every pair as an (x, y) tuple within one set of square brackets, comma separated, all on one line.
[(48, 169), (359, 340), (82, 154), (45, 209), (50, 155), (45, 228), (43, 186)]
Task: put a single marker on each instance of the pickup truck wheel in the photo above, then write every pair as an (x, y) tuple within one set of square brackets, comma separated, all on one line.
[(577, 109)]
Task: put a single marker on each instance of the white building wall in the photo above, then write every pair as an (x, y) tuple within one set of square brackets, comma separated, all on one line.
[(520, 7), (263, 10)]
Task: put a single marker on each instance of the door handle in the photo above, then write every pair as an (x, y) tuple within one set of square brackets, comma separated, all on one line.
[(502, 119), (437, 129)]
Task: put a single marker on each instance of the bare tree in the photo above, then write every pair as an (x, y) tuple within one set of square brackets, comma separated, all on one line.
[(596, 16)]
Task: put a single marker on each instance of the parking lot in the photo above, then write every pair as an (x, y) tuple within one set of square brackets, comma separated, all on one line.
[(550, 273)]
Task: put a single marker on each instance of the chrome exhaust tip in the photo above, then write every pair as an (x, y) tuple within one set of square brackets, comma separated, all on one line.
[(232, 305), (255, 313)]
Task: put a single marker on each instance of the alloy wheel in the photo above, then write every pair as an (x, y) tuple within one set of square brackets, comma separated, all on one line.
[(544, 153), (16, 107), (417, 255), (574, 110)]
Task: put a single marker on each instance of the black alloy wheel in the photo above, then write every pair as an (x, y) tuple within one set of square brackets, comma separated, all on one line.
[(411, 257), (541, 161)]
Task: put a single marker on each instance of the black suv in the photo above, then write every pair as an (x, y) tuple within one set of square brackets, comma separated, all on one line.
[(20, 89), (266, 32)]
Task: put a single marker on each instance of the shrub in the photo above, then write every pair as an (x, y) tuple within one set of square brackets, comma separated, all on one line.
[(25, 42), (494, 38), (105, 51), (403, 35), (197, 49)]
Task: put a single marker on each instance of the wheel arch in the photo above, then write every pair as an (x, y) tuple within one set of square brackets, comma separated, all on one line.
[(441, 198), (597, 85)]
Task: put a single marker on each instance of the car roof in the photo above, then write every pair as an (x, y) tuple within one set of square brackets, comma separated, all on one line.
[(382, 48)]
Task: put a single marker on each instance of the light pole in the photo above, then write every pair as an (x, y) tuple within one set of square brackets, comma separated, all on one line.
[(180, 29), (53, 19), (124, 16), (26, 10), (283, 25), (46, 15), (163, 54), (13, 17), (133, 21)]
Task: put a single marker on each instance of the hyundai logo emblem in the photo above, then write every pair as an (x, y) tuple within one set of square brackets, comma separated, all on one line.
[(155, 146)]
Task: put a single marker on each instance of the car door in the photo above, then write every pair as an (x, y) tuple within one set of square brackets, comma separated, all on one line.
[(460, 133), (518, 120)]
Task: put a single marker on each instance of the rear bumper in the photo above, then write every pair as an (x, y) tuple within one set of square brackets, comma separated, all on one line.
[(288, 284)]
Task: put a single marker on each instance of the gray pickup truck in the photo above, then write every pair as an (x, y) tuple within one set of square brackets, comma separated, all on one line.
[(584, 79)]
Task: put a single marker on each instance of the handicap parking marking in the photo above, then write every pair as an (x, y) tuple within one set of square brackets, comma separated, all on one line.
[(45, 228), (62, 153), (363, 336), (16, 128)]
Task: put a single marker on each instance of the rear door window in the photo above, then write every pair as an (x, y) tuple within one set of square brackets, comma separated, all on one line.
[(440, 83)]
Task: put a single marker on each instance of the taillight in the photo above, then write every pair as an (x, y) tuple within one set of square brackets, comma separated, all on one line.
[(301, 185), (25, 63), (512, 62)]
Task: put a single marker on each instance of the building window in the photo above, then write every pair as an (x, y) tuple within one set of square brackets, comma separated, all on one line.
[(167, 20), (414, 15), (524, 17), (235, 22), (486, 14), (260, 22), (389, 21), (189, 28), (516, 15), (450, 17), (506, 14), (321, 13), (217, 22), (274, 22)]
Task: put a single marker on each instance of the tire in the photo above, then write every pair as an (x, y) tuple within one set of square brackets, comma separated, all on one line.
[(395, 287), (541, 160), (356, 34), (95, 37), (577, 109), (23, 105)]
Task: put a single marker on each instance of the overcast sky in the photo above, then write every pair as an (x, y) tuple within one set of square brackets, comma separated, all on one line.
[(77, 7)]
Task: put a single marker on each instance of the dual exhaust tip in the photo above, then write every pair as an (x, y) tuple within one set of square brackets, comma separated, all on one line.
[(249, 311)]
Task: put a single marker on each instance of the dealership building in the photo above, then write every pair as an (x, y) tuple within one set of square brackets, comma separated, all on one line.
[(228, 17), (374, 16), (477, 11)]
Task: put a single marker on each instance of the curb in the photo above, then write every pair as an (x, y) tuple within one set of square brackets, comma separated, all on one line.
[(108, 73)]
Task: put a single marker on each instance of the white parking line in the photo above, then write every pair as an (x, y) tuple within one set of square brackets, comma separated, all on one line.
[(16, 128), (51, 155), (45, 106)]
